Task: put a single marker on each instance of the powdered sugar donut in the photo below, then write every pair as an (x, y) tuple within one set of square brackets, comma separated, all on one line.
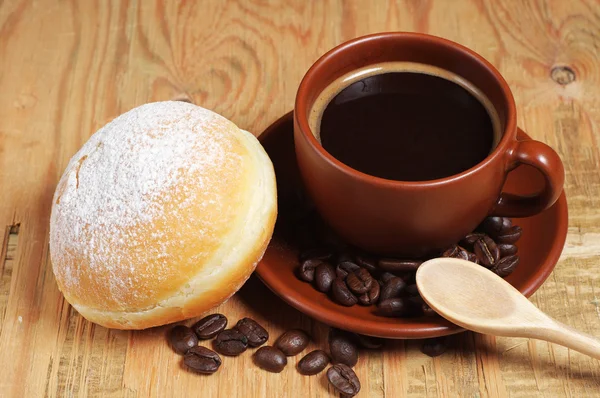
[(162, 215)]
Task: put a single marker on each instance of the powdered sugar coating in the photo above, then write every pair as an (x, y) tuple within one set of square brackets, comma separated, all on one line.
[(113, 211)]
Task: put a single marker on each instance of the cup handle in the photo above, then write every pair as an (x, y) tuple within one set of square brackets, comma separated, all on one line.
[(547, 161)]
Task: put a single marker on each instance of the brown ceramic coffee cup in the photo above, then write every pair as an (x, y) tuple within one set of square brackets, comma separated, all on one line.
[(413, 218)]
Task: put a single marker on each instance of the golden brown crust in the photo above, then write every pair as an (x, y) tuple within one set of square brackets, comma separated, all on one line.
[(195, 248)]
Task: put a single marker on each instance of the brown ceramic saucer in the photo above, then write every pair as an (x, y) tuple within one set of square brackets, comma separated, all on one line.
[(539, 247)]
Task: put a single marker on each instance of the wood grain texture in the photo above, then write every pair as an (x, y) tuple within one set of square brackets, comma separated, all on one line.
[(67, 67)]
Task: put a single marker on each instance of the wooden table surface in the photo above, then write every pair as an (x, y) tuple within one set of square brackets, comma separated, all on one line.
[(68, 67)]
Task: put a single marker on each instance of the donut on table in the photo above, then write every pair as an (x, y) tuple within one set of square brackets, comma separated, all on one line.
[(162, 215)]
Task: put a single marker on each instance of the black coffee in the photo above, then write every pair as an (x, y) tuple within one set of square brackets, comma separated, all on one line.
[(407, 126)]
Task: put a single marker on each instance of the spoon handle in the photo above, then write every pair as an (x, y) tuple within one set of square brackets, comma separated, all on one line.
[(565, 335)]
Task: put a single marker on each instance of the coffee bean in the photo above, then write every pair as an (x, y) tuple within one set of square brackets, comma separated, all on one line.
[(456, 251), (182, 339), (306, 271), (367, 263), (396, 266), (507, 249), (494, 225), (487, 252), (270, 359), (343, 379), (313, 363), (345, 268), (341, 294), (506, 223), (412, 290), (473, 237), (369, 342), (343, 256), (324, 276), (318, 253), (427, 310), (393, 307), (510, 235), (342, 348), (202, 360), (491, 224), (414, 306), (392, 288), (385, 276), (370, 297), (408, 277), (231, 342), (473, 258), (359, 281), (506, 265), (292, 342), (209, 326), (256, 334), (434, 347)]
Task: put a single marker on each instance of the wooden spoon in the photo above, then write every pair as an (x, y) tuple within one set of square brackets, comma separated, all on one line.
[(475, 298)]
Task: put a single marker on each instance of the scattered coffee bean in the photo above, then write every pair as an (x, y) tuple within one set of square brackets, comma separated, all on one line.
[(344, 379), (487, 252), (369, 342), (359, 281), (494, 225), (507, 249), (510, 235), (434, 347), (506, 265), (313, 363), (473, 237), (231, 342), (270, 359), (344, 268), (306, 272), (412, 290), (351, 276), (341, 294), (317, 253), (414, 305), (385, 276), (324, 276), (393, 307), (202, 360), (182, 339), (367, 263), (392, 288), (456, 251), (473, 258), (342, 348), (292, 342), (427, 310), (344, 256), (372, 296), (209, 326), (408, 278), (256, 334), (395, 266)]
